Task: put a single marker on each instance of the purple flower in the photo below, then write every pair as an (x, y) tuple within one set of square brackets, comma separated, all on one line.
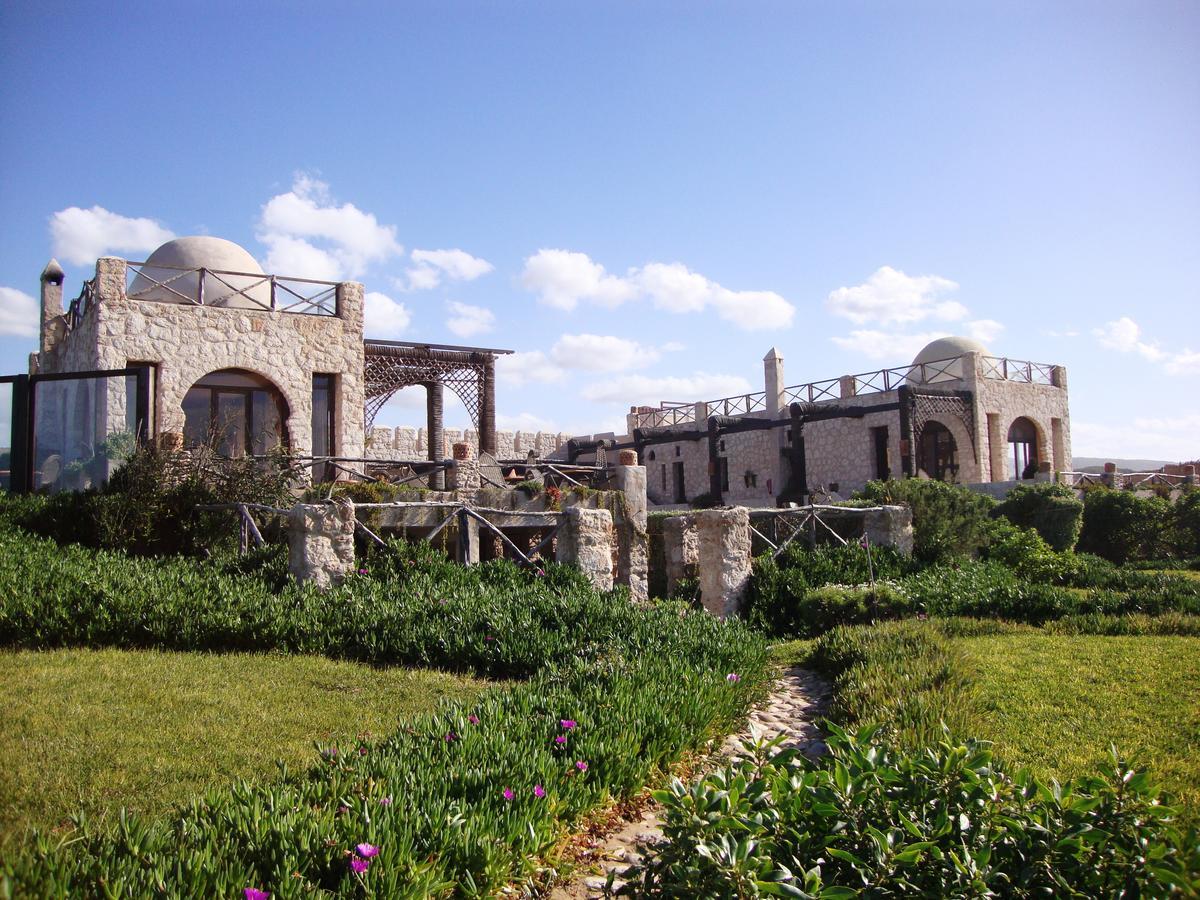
[(539, 791), (343, 809), (581, 766), (450, 737), (489, 638), (385, 801), (359, 866), (541, 572), (362, 571), (362, 751), (366, 851), (473, 719), (567, 724), (733, 677), (508, 793), (561, 739), (256, 894)]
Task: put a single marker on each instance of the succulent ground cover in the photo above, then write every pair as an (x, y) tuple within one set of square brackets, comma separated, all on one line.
[(460, 801)]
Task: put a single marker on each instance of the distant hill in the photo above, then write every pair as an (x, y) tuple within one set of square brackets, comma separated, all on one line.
[(1096, 464)]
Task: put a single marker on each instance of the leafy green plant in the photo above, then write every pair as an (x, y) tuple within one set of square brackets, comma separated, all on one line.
[(1120, 526), (1050, 509), (948, 520)]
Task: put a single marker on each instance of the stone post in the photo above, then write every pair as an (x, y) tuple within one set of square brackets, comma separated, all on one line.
[(464, 477), (52, 304), (680, 549), (321, 542), (1189, 474), (700, 413), (436, 451), (773, 381), (1110, 477), (847, 387), (890, 526), (1044, 472), (633, 547), (723, 558), (1058, 377), (585, 541)]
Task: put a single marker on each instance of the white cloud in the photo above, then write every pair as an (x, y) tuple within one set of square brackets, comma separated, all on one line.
[(644, 389), (891, 297), (19, 313), (888, 346), (1124, 336), (466, 320), (529, 367), (80, 236), (1069, 333), (383, 316), (432, 265), (601, 353), (984, 330), (1176, 439), (1185, 363), (564, 278), (294, 224)]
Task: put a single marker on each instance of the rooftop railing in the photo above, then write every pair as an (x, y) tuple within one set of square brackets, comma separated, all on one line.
[(201, 286)]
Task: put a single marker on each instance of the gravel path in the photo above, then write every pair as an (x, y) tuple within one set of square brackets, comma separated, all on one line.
[(798, 701)]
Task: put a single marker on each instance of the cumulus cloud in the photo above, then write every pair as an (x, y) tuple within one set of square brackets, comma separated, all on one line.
[(1124, 336), (644, 389), (984, 330), (431, 266), (384, 317), (81, 235), (466, 320), (565, 278), (601, 353), (1176, 438), (887, 346), (19, 313), (891, 297), (304, 227), (1185, 363), (529, 367)]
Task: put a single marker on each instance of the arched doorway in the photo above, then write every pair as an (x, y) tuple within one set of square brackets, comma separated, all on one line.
[(1022, 449), (235, 412), (937, 454)]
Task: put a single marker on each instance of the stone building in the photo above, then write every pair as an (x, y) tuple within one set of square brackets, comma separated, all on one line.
[(956, 413)]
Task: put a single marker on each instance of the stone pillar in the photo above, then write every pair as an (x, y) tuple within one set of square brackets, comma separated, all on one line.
[(700, 413), (681, 544), (1044, 472), (487, 406), (1058, 377), (321, 542), (633, 548), (1189, 474), (585, 541), (464, 477), (847, 387), (773, 381), (890, 526), (52, 304), (436, 438), (723, 558), (1110, 477)]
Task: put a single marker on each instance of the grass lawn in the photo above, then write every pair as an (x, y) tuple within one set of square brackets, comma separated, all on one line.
[(100, 729), (1055, 703)]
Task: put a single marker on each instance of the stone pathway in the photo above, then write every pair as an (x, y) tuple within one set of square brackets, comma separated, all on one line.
[(799, 700)]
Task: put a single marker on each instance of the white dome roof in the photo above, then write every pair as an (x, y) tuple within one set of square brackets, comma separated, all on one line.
[(943, 349), (172, 266)]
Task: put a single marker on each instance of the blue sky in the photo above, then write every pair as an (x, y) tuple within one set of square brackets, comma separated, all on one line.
[(645, 197)]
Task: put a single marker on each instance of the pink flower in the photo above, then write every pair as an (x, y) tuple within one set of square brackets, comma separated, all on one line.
[(256, 894), (362, 751), (541, 572), (450, 737), (733, 677), (539, 791), (508, 793), (473, 719), (359, 866), (581, 766), (366, 851), (385, 801), (362, 571), (561, 739), (567, 724)]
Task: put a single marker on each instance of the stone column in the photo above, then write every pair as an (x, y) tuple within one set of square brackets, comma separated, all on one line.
[(52, 304), (464, 477), (321, 542), (890, 526), (847, 387), (723, 558), (487, 406), (633, 548), (680, 549), (436, 439), (773, 381), (585, 541)]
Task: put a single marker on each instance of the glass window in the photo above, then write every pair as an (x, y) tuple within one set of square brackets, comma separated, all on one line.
[(236, 412)]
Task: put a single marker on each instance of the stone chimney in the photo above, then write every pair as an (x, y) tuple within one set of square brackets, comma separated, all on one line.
[(52, 304), (773, 381)]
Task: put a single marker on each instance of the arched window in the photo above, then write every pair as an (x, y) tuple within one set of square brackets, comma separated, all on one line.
[(937, 454), (236, 412), (1022, 450)]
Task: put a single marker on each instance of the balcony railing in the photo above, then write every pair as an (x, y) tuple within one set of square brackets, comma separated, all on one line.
[(201, 286), (1019, 370)]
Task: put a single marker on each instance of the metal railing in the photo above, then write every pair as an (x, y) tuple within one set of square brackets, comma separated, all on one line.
[(202, 286)]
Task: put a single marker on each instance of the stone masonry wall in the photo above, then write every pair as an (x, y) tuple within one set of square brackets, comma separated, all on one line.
[(406, 442)]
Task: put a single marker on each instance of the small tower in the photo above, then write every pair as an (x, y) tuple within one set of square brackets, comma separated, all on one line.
[(773, 381), (52, 307)]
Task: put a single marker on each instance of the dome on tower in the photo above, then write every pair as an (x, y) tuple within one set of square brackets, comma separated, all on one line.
[(233, 277), (946, 348)]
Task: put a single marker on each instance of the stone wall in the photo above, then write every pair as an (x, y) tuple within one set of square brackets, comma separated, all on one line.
[(406, 442), (321, 542), (586, 541)]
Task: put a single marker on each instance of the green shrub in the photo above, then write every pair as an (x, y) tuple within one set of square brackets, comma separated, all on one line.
[(1186, 516), (946, 821), (1024, 551), (641, 686), (1050, 509), (948, 520), (1120, 526)]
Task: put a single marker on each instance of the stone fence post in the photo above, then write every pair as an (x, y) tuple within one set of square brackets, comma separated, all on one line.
[(890, 526), (585, 541), (633, 541), (723, 558), (321, 542), (464, 477), (680, 549)]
